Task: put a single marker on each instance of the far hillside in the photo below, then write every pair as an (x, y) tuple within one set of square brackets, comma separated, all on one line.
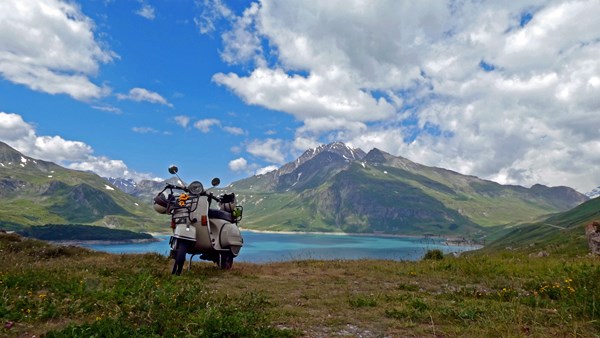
[(37, 192), (78, 232), (562, 232)]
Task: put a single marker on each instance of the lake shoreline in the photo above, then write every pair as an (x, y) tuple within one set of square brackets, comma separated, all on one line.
[(106, 242), (447, 240)]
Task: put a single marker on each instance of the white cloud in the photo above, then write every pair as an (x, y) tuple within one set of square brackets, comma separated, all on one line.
[(141, 94), (146, 11), (205, 125), (109, 109), (59, 149), (271, 150), (30, 29), (264, 170), (314, 96), (243, 44), (182, 120), (462, 85), (13, 127), (102, 166), (144, 130), (212, 12), (234, 130), (239, 164), (72, 154)]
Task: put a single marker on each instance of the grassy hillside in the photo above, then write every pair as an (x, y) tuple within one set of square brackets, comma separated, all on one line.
[(34, 192), (563, 232), (73, 292)]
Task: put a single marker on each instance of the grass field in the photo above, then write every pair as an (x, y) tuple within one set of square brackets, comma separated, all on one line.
[(56, 291)]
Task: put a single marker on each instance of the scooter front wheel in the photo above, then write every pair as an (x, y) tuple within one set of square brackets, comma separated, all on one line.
[(181, 248), (225, 260)]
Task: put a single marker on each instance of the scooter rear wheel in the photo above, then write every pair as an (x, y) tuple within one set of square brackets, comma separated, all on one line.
[(181, 248)]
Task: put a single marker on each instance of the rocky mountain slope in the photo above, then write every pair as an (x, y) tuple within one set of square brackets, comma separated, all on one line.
[(145, 190), (337, 188), (34, 192)]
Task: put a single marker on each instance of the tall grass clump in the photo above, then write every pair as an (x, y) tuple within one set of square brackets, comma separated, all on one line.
[(434, 254)]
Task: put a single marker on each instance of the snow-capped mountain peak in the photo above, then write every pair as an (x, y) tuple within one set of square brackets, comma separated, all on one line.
[(339, 148), (127, 185)]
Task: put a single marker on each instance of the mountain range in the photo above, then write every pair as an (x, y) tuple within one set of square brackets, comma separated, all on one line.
[(338, 188), (36, 192), (329, 188)]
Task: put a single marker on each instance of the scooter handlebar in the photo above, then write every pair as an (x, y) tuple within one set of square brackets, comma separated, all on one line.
[(172, 186)]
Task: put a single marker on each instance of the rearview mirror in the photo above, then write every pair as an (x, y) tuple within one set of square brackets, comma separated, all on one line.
[(173, 170), (215, 181)]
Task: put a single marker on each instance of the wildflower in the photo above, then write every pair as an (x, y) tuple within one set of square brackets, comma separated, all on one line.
[(42, 296)]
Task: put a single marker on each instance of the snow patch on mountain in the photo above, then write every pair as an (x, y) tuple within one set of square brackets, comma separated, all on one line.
[(594, 193)]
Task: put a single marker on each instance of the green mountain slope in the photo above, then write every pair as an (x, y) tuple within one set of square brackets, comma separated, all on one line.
[(336, 188), (35, 192), (562, 232)]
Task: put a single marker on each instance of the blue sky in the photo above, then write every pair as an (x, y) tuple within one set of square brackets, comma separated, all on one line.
[(507, 92)]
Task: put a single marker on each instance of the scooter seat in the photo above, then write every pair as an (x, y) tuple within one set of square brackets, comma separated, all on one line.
[(220, 214)]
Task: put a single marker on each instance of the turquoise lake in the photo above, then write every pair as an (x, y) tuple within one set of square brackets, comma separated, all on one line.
[(277, 247)]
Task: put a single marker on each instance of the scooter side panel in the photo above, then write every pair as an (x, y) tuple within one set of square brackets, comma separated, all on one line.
[(203, 238), (230, 236)]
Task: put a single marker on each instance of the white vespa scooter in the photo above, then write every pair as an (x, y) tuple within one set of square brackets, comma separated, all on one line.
[(197, 229)]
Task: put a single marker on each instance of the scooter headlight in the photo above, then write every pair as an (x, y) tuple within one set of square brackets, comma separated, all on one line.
[(196, 188)]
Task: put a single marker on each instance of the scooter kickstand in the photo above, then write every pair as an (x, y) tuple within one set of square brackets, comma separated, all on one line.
[(190, 265)]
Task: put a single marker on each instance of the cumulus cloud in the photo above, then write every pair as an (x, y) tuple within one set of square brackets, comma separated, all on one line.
[(242, 43), (205, 124), (29, 29), (146, 11), (328, 94), (234, 130), (103, 166), (182, 120), (78, 155), (144, 95), (267, 169), (239, 164), (271, 150), (470, 86)]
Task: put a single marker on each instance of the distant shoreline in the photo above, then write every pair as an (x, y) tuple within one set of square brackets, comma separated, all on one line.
[(450, 241), (107, 242)]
